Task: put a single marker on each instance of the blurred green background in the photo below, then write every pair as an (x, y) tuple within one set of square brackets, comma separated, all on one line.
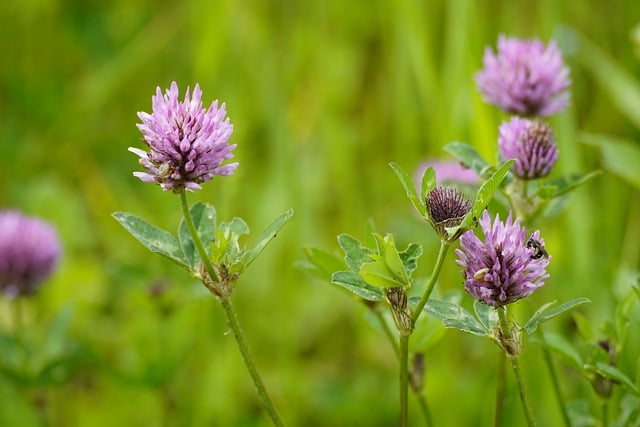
[(323, 95)]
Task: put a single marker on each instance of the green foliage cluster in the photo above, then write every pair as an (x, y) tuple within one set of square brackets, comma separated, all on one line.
[(323, 95)]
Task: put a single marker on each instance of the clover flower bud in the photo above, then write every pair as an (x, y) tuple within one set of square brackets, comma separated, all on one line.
[(446, 207)]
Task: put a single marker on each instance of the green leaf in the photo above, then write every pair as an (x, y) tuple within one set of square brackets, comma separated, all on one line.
[(483, 197), (427, 183), (486, 190), (566, 185), (321, 263), (410, 257), (562, 347), (393, 260), (542, 315), (615, 374), (409, 189), (153, 238), (486, 314), (267, 235), (354, 283), (620, 157), (355, 254), (454, 316), (378, 273), (234, 229), (532, 324), (204, 219), (468, 156)]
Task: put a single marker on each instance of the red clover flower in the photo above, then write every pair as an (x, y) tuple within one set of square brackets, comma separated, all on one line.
[(525, 77), (187, 143), (29, 252), (505, 267), (531, 143)]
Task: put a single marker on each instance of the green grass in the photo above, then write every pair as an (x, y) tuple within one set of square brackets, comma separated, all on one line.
[(323, 95)]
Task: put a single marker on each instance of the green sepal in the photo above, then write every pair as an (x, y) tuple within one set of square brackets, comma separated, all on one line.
[(153, 238)]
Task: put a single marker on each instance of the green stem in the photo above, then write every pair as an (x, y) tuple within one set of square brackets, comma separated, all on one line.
[(404, 380), (515, 363), (502, 365), (556, 386), (232, 319), (442, 253)]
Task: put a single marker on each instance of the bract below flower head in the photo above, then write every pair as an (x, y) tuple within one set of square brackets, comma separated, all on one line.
[(525, 77), (506, 266), (531, 143), (187, 143), (29, 251)]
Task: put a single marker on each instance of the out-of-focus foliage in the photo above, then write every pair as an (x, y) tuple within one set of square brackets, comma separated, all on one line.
[(322, 95)]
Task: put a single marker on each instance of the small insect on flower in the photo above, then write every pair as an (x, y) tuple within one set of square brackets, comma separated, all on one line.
[(538, 249)]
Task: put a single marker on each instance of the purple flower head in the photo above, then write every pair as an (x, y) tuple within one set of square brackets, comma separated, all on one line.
[(187, 143), (525, 77), (29, 251), (446, 207), (531, 143), (507, 266)]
